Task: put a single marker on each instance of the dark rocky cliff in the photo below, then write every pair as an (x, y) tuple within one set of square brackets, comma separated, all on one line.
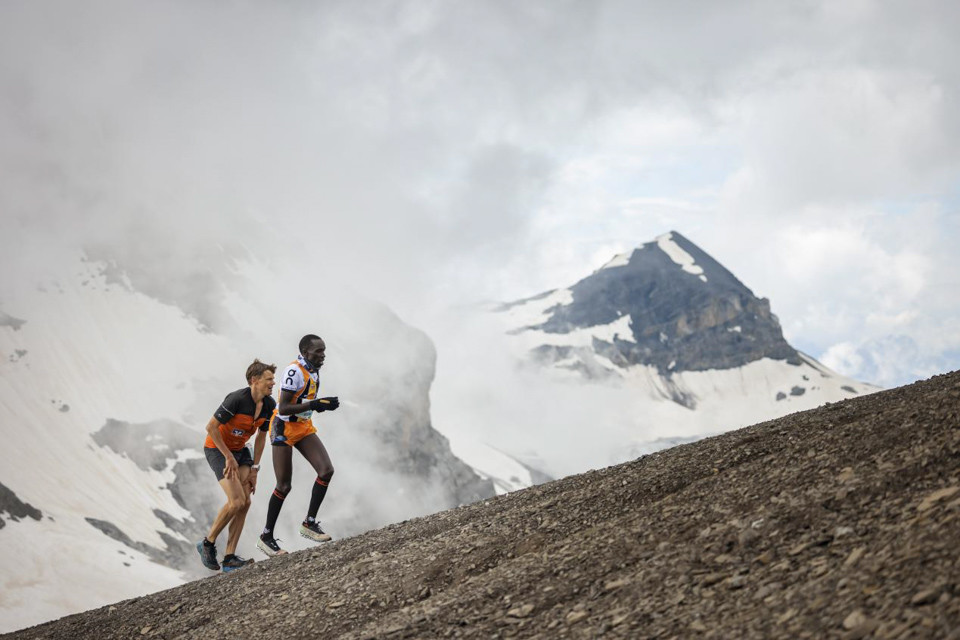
[(680, 321)]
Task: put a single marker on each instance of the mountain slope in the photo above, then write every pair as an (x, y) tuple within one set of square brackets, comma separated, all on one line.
[(104, 395), (658, 344), (836, 522), (667, 304)]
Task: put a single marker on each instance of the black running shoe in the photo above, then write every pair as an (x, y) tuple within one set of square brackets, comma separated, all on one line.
[(313, 531), (269, 545), (232, 562), (208, 555)]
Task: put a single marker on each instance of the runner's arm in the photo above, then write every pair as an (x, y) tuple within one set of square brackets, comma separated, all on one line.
[(286, 406), (258, 445), (213, 430)]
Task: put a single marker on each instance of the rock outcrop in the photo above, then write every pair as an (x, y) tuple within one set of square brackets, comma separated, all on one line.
[(12, 508), (687, 312)]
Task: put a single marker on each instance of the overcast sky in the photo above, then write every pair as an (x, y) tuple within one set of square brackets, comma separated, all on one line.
[(435, 154)]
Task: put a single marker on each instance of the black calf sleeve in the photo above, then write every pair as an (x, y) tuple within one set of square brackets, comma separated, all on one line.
[(316, 498), (273, 509)]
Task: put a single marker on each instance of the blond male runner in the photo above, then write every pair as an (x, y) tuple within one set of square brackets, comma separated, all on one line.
[(242, 413)]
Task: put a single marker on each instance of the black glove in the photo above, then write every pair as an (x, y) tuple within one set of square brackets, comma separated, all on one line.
[(325, 404)]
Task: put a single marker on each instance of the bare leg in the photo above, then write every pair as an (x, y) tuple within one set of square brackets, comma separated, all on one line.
[(236, 524), (316, 454), (236, 498)]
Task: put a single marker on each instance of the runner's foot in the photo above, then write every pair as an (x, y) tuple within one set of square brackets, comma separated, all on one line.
[(269, 545), (232, 562), (208, 555), (313, 531)]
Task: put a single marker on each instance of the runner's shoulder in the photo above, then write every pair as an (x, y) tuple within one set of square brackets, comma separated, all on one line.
[(239, 402), (238, 397), (292, 378)]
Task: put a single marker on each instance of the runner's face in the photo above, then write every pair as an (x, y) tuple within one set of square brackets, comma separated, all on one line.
[(264, 384), (316, 353)]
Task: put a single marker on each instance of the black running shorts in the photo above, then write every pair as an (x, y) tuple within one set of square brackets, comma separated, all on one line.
[(217, 461)]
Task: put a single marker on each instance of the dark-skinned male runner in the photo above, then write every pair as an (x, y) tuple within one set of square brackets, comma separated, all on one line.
[(292, 428)]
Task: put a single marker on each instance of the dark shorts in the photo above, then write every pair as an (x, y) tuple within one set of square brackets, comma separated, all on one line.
[(217, 461)]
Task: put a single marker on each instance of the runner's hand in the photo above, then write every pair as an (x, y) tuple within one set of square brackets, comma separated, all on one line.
[(252, 481), (230, 469), (330, 403)]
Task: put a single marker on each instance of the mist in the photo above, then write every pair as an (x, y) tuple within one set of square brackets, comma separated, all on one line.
[(432, 155)]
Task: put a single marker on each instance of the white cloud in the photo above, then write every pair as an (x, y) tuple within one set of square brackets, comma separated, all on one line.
[(431, 152), (890, 361)]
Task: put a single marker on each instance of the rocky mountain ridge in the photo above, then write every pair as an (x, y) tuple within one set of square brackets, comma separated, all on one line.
[(838, 522), (686, 312), (661, 344)]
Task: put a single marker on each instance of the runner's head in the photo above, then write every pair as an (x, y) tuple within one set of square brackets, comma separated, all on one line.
[(313, 349), (260, 376)]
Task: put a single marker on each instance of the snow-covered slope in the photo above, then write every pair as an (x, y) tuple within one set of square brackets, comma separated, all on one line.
[(63, 372), (104, 394)]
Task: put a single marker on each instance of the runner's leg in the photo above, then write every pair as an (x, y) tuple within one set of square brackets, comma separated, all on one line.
[(236, 498), (316, 454), (283, 468), (236, 524)]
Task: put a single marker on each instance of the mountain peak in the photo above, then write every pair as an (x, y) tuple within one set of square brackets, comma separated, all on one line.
[(673, 307)]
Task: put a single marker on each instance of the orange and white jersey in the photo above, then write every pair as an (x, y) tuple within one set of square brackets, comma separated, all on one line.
[(305, 386)]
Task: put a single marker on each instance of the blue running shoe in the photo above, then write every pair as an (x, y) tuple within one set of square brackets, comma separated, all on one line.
[(208, 555), (233, 562)]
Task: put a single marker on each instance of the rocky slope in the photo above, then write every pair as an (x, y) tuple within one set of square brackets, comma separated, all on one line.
[(841, 521)]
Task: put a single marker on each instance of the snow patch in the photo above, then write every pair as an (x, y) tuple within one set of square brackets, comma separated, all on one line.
[(679, 256), (506, 473), (619, 260), (619, 328)]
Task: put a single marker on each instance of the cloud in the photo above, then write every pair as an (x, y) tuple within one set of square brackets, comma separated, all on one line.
[(430, 152), (889, 361)]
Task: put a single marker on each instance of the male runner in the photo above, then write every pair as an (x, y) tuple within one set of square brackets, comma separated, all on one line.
[(241, 413), (292, 427)]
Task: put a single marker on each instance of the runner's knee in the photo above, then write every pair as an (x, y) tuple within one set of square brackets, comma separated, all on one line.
[(283, 487), (326, 475)]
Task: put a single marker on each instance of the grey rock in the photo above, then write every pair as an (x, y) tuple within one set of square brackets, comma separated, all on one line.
[(678, 321), (13, 508), (6, 320)]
